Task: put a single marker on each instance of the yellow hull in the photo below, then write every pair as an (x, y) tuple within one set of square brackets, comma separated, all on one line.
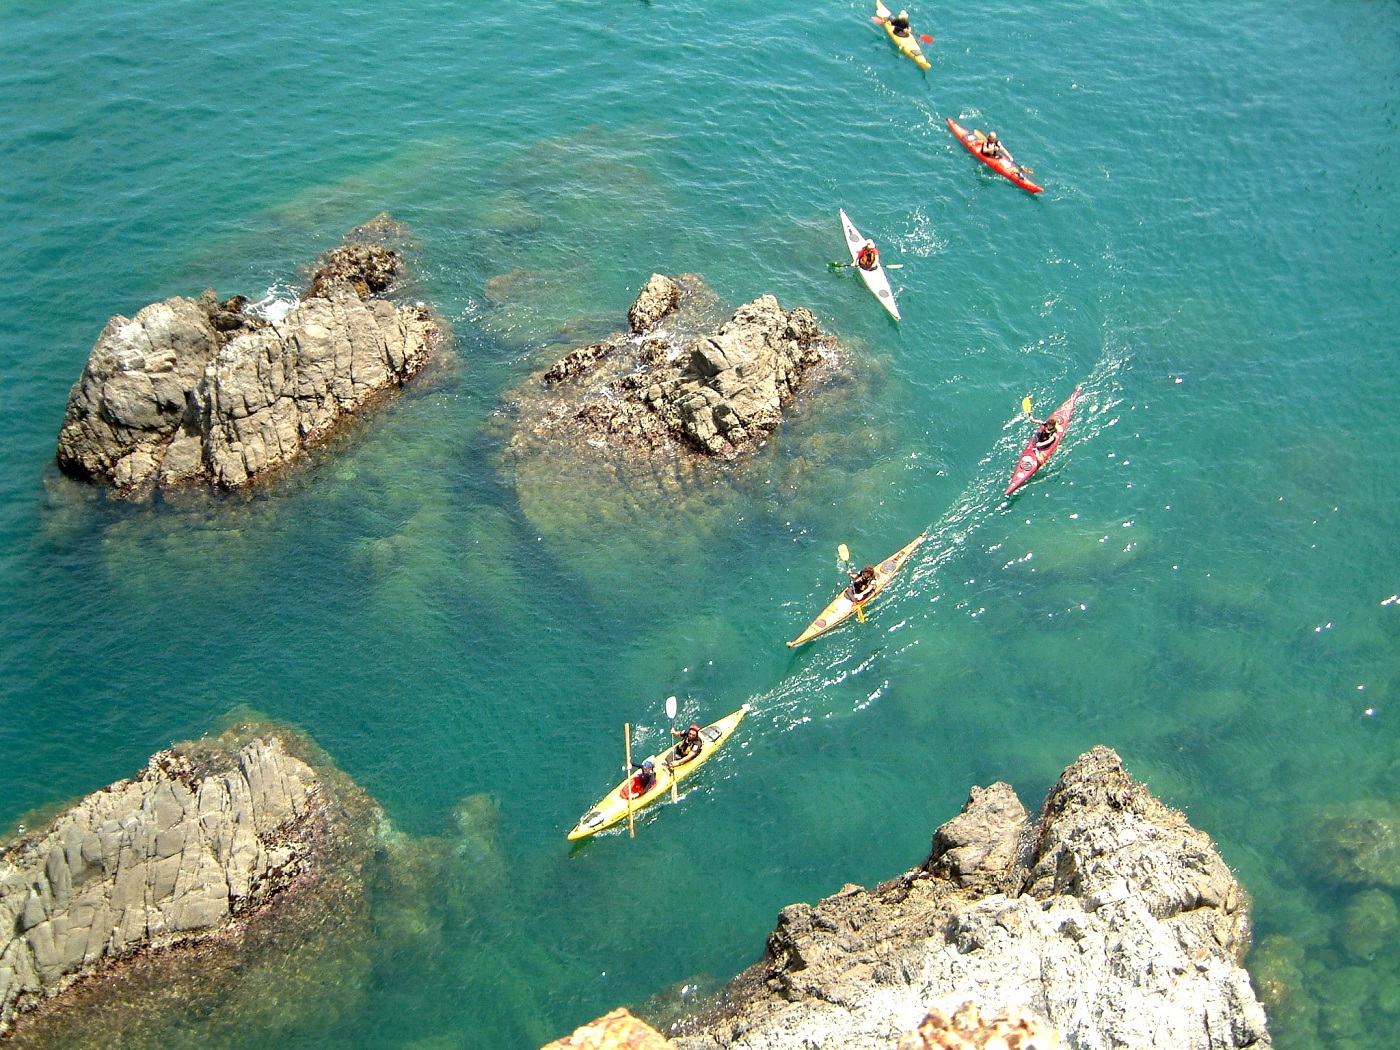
[(908, 44), (842, 607), (613, 807)]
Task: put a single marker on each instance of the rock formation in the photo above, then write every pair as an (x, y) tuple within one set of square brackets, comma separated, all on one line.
[(188, 852), (201, 391), (1108, 922), (669, 385)]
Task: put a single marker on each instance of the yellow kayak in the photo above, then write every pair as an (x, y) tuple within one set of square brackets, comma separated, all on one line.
[(843, 606), (613, 806), (908, 44)]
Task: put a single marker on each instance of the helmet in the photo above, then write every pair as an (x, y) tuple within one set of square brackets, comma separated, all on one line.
[(991, 136), (694, 727), (904, 14), (648, 764)]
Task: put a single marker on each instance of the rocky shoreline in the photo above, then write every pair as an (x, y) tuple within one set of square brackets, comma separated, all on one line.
[(1108, 921), (232, 875)]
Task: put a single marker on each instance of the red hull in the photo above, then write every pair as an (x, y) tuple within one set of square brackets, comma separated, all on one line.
[(972, 141), (1032, 458)]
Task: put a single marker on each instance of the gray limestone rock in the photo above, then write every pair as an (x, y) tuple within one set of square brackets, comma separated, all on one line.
[(197, 840), (1109, 920), (201, 392), (657, 298)]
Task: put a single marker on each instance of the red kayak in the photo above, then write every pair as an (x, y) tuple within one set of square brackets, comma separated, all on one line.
[(1002, 165), (1032, 458)]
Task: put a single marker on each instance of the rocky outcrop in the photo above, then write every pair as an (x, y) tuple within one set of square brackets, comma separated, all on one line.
[(201, 391), (1107, 922), (669, 385), (194, 847), (618, 1030)]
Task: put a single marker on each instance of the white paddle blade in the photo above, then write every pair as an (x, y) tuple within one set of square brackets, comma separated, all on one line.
[(670, 707)]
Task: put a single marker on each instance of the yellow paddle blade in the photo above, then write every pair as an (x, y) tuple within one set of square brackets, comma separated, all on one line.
[(843, 552), (860, 613), (1026, 405)]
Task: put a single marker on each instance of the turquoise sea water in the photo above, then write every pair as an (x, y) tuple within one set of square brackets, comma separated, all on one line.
[(1199, 579)]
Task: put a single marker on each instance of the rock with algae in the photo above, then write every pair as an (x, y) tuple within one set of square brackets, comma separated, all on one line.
[(224, 882), (1358, 844)]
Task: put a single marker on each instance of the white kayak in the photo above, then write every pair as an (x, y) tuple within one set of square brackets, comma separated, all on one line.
[(875, 279)]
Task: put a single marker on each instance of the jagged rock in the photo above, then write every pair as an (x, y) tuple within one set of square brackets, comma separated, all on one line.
[(618, 1030), (1109, 917), (718, 391), (977, 847), (198, 391), (194, 847), (657, 298), (965, 1029)]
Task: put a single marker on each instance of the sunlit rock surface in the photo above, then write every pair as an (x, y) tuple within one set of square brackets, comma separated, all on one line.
[(1108, 920), (208, 392)]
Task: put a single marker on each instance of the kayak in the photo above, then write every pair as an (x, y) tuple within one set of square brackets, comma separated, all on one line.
[(875, 279), (1002, 165), (908, 44), (842, 607), (1032, 458), (613, 806)]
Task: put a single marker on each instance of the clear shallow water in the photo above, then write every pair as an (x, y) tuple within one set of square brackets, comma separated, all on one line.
[(1196, 580)]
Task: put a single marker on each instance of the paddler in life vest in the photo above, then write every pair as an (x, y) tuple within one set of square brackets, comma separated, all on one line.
[(900, 24), (687, 747), (862, 584), (1048, 434), (643, 781), (991, 146), (869, 256)]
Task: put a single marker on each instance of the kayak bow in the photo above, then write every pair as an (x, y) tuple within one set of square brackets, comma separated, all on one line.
[(613, 806), (1003, 165), (908, 44), (842, 607), (1032, 458), (875, 279)]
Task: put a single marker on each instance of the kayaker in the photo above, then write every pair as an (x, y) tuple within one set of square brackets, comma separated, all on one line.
[(991, 146), (688, 746), (644, 780), (869, 256), (1048, 434), (900, 24), (862, 584)]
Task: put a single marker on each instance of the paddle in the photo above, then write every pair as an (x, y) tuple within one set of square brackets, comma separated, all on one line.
[(671, 716), (627, 743), (843, 552), (1026, 406)]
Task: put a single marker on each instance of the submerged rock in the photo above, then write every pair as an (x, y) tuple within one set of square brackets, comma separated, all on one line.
[(1358, 844), (198, 391), (1107, 921)]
